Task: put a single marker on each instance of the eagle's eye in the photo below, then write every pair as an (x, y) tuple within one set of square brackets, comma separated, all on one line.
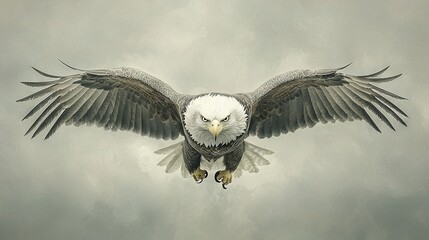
[(226, 119), (204, 119)]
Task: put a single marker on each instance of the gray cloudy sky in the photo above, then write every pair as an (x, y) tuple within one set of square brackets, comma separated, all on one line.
[(341, 181)]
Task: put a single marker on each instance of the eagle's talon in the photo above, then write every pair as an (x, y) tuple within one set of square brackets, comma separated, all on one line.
[(199, 175), (215, 177), (224, 177)]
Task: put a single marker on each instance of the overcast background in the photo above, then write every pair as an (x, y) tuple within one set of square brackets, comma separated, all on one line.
[(335, 181)]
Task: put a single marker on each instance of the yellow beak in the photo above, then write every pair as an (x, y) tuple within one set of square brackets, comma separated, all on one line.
[(215, 128)]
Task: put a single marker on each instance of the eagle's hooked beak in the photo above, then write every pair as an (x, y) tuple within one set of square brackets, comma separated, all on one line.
[(215, 128)]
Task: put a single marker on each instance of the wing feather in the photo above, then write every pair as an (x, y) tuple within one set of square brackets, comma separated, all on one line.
[(300, 111), (132, 117), (58, 100), (358, 110), (173, 130), (362, 102), (61, 92), (308, 120), (376, 96), (370, 98), (90, 115), (292, 114), (351, 115), (60, 107), (267, 128), (302, 98), (330, 112), (66, 82), (138, 123), (145, 122), (309, 106), (126, 116), (385, 92), (104, 114), (122, 98), (275, 125), (119, 111), (337, 109), (320, 110), (374, 74), (82, 107)]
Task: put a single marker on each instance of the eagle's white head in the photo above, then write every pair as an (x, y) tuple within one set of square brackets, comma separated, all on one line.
[(214, 120)]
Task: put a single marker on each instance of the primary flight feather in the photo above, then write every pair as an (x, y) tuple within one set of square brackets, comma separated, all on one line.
[(213, 125)]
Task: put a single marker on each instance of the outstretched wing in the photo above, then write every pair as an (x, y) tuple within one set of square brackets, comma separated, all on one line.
[(117, 99), (302, 98)]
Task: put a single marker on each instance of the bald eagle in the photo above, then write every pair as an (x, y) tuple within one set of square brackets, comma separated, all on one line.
[(214, 125)]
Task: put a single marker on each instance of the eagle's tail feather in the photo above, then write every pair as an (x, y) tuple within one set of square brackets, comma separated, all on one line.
[(253, 157)]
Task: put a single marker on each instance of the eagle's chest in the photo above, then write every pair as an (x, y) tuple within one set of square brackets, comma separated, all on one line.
[(213, 153)]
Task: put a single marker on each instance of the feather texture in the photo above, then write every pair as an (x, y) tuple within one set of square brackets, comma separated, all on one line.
[(253, 157), (130, 100), (304, 98), (119, 99)]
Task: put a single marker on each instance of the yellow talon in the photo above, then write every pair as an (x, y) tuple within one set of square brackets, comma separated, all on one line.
[(224, 176), (199, 175)]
